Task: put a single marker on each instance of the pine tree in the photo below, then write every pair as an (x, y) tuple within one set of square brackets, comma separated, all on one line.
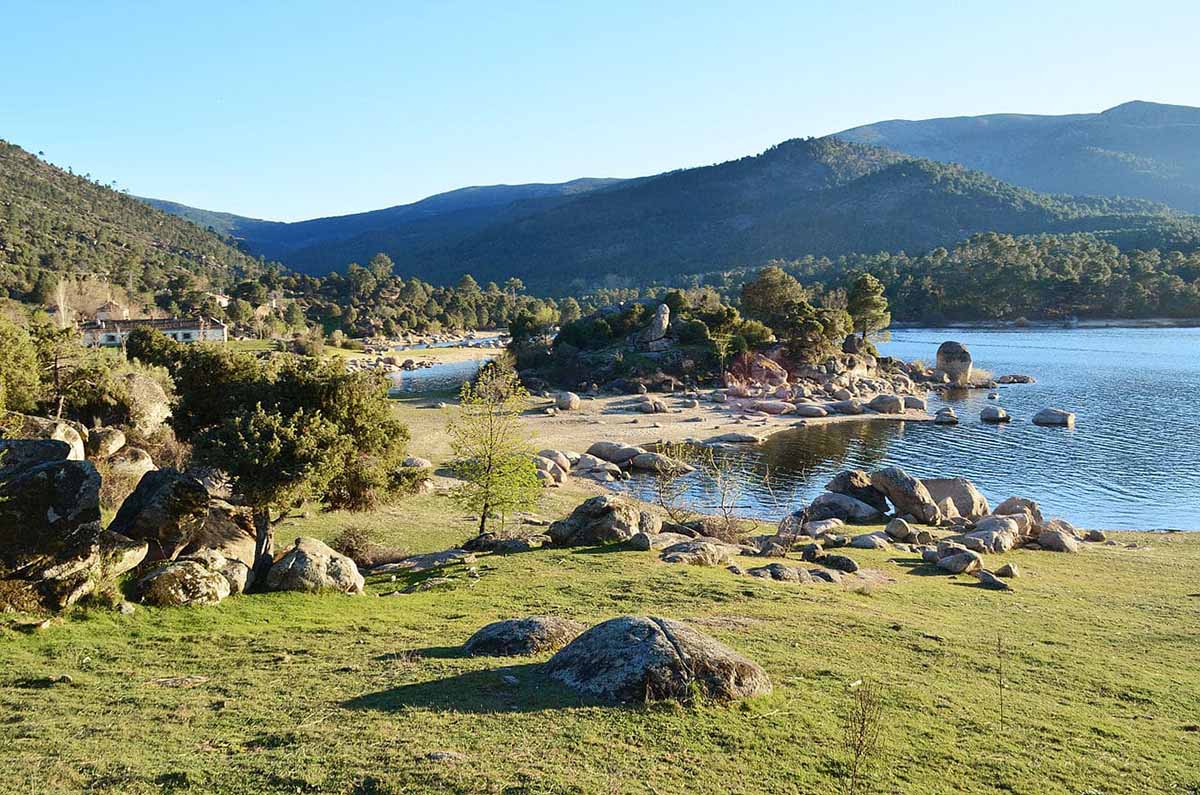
[(867, 305)]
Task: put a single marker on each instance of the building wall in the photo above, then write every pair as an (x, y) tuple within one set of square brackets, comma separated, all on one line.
[(116, 337)]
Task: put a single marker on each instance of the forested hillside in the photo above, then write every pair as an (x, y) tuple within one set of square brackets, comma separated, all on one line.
[(1138, 149), (54, 222), (820, 197), (310, 246)]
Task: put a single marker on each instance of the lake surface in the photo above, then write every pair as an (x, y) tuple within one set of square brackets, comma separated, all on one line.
[(442, 376), (1131, 462)]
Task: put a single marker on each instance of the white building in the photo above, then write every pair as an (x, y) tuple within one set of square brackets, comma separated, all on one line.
[(111, 310), (112, 333)]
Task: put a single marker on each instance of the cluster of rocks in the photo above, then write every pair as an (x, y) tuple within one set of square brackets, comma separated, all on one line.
[(964, 527), (850, 383), (627, 659), (53, 550), (185, 546), (610, 519), (387, 364), (603, 462)]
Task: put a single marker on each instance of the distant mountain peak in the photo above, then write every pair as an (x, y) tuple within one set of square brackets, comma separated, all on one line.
[(1143, 112)]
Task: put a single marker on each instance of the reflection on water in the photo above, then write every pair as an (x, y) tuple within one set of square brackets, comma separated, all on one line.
[(1133, 461)]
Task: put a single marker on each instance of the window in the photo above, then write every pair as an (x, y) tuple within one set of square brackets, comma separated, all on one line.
[(187, 335), (110, 337)]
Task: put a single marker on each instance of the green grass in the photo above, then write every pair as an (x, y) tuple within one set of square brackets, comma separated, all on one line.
[(334, 694)]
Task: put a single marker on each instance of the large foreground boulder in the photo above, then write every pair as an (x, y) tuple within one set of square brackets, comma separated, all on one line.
[(830, 505), (53, 551), (635, 658), (168, 510), (908, 494), (607, 519), (182, 583), (967, 499), (22, 426), (857, 484), (311, 566), (523, 636)]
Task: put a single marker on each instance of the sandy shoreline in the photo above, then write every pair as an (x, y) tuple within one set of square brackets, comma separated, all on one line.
[(615, 419)]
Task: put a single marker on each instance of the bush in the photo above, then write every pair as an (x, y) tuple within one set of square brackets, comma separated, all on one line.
[(693, 332), (356, 544)]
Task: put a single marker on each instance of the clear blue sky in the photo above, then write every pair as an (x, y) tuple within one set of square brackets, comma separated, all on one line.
[(291, 110)]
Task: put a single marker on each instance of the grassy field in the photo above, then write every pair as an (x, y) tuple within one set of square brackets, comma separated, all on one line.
[(286, 693)]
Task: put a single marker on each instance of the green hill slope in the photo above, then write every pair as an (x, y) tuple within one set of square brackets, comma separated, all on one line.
[(51, 220), (1141, 149)]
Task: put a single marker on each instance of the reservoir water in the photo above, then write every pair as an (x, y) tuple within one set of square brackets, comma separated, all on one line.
[(1131, 462)]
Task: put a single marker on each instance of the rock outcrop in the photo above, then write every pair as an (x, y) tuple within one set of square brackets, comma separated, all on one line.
[(168, 510), (606, 519), (634, 658), (53, 551), (311, 566), (907, 494), (523, 636)]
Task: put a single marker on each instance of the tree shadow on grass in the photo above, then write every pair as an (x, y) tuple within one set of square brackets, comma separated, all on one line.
[(602, 549), (918, 567), (478, 692)]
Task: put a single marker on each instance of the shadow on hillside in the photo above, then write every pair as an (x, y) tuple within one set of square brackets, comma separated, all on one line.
[(478, 692)]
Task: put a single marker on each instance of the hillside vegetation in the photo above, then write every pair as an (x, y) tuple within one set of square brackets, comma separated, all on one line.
[(1140, 149), (819, 197), (55, 222)]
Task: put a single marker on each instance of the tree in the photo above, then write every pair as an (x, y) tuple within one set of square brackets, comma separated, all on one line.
[(491, 452), (811, 334), (568, 311), (867, 305), (768, 295), (285, 429), (20, 386), (274, 461), (294, 316), (381, 267)]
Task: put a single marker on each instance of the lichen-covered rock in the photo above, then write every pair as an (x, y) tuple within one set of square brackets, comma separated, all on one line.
[(963, 562), (699, 552), (311, 566), (167, 510), (606, 519), (103, 442), (523, 636), (22, 426), (130, 462), (634, 658), (182, 583), (150, 404), (646, 541)]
